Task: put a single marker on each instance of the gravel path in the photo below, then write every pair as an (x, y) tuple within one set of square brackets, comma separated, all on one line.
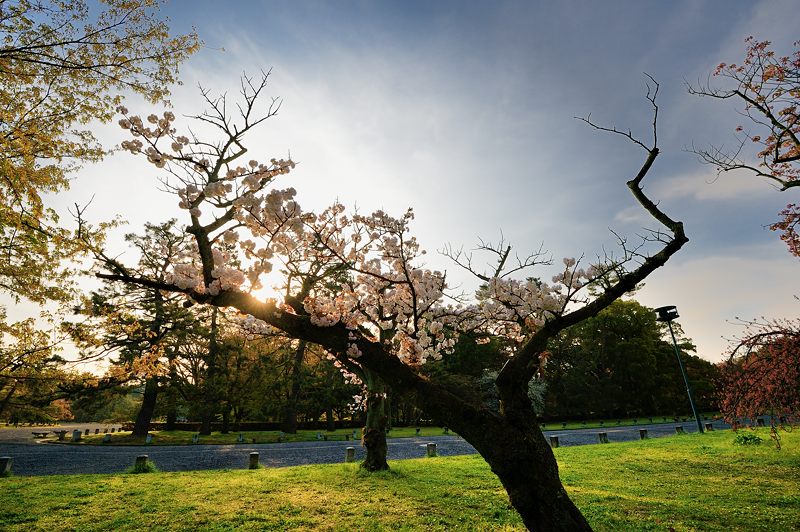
[(33, 458)]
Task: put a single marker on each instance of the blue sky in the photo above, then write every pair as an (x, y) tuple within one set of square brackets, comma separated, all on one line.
[(464, 111)]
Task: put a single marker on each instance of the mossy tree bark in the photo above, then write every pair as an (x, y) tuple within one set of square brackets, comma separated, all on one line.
[(374, 431)]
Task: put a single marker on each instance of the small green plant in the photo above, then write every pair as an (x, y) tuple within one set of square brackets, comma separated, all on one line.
[(146, 467), (743, 438)]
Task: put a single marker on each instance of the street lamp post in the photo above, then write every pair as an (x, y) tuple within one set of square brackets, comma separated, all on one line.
[(668, 314)]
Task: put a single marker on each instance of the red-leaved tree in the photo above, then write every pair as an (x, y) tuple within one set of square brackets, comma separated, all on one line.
[(767, 86), (761, 374)]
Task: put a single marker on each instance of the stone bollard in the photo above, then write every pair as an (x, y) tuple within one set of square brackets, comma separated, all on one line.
[(141, 463), (553, 441), (642, 434), (76, 435), (431, 448), (107, 438), (5, 466), (240, 439), (679, 429), (148, 438), (760, 422), (709, 427), (602, 437), (350, 456), (97, 431), (87, 432), (253, 461)]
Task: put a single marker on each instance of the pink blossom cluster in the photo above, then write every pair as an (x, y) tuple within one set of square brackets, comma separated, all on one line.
[(360, 271)]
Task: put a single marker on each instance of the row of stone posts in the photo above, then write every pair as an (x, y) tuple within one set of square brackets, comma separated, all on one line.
[(602, 437), (350, 452), (350, 456)]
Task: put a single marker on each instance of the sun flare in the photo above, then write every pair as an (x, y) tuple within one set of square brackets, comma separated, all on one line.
[(271, 288)]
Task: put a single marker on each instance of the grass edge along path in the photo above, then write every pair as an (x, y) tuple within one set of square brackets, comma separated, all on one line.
[(690, 482), (183, 437)]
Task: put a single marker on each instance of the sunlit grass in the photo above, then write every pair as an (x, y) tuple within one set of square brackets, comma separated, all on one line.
[(690, 482)]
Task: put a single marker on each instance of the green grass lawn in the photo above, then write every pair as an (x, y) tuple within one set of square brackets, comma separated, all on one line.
[(182, 437), (621, 422), (179, 437), (690, 482)]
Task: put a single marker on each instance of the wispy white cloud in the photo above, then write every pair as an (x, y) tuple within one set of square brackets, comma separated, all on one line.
[(707, 185), (711, 292), (466, 115)]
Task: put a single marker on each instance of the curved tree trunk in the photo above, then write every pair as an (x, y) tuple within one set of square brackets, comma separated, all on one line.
[(209, 389), (172, 396), (7, 399), (517, 452), (145, 414), (374, 431), (330, 420), (226, 419), (205, 423), (172, 415), (289, 424)]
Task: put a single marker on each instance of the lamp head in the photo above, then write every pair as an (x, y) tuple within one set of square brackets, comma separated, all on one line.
[(667, 314)]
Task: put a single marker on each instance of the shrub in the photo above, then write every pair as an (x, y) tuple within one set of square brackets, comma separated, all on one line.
[(743, 438)]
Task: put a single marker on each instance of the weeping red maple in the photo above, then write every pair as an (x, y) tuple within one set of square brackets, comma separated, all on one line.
[(762, 375)]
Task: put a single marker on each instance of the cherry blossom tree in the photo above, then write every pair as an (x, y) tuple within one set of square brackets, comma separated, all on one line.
[(761, 374), (768, 87), (372, 303)]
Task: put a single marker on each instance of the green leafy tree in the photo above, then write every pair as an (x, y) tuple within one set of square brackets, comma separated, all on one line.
[(63, 64), (621, 363), (142, 327)]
